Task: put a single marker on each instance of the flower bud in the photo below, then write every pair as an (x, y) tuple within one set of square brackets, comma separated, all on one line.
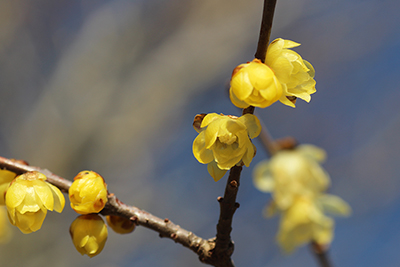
[(89, 234), (88, 193), (120, 225), (28, 198)]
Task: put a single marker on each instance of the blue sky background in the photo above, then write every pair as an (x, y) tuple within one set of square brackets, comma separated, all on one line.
[(113, 86)]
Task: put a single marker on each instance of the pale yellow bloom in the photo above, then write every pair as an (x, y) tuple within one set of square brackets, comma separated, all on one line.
[(88, 193), (5, 179), (89, 234), (295, 74), (292, 173), (120, 225), (28, 198), (5, 229), (302, 223), (254, 84), (224, 141)]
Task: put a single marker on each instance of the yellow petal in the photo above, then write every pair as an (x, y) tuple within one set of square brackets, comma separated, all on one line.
[(59, 200), (214, 171), (45, 195), (15, 195), (252, 124), (290, 44), (236, 101), (241, 85), (209, 118), (262, 177), (334, 205), (201, 153)]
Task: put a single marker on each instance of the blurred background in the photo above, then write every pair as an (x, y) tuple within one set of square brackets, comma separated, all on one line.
[(113, 86)]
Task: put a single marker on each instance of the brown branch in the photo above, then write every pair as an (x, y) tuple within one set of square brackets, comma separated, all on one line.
[(321, 254), (164, 227), (265, 30)]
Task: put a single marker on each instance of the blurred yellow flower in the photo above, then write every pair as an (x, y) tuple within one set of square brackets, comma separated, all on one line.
[(292, 173), (88, 193), (295, 74), (120, 225), (5, 179), (5, 229), (304, 221), (89, 234), (255, 84), (297, 183), (28, 198), (224, 141)]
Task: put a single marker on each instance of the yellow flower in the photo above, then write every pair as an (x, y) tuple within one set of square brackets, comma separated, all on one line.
[(120, 225), (254, 84), (284, 76), (28, 198), (304, 221), (224, 141), (89, 234), (292, 173), (5, 179), (88, 193), (5, 229), (295, 74)]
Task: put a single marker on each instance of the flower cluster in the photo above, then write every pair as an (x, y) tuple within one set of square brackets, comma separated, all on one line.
[(224, 141), (298, 184), (28, 198), (284, 76)]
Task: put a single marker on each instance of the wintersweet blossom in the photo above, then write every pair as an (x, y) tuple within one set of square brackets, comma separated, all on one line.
[(292, 173), (120, 225), (284, 76), (28, 198), (88, 193), (224, 141), (254, 83), (294, 73), (89, 234), (298, 183), (5, 179)]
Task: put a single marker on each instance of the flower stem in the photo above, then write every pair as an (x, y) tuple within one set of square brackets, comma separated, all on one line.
[(321, 254)]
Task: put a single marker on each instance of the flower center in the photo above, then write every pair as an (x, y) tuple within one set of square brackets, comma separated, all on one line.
[(227, 138)]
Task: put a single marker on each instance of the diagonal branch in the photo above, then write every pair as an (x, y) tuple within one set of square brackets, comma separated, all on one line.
[(164, 227)]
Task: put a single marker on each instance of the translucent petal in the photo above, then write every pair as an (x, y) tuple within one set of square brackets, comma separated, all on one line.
[(236, 101), (311, 70), (44, 194), (249, 155), (252, 124), (290, 44), (209, 118), (211, 133), (214, 171), (283, 99), (314, 152), (262, 177), (31, 202), (241, 85), (201, 153), (15, 194), (334, 205), (59, 200), (274, 50)]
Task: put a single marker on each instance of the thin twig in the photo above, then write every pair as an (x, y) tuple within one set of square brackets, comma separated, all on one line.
[(265, 30), (321, 254)]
